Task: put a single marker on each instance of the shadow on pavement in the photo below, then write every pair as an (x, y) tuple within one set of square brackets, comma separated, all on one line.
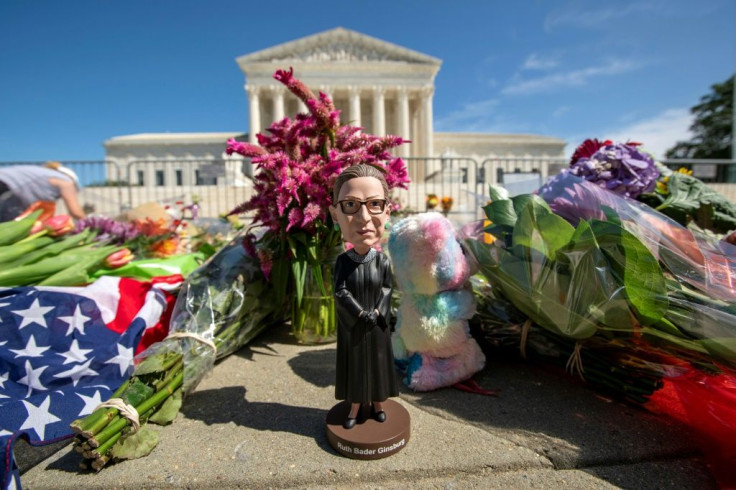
[(232, 406), (543, 409)]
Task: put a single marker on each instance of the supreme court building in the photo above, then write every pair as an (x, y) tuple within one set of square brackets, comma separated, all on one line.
[(382, 87)]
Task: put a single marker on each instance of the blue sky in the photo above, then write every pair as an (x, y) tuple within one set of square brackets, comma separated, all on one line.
[(75, 73)]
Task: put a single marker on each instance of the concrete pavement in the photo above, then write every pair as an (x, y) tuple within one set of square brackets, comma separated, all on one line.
[(257, 421)]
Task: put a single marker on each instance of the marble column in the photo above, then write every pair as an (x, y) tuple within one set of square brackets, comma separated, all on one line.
[(278, 103), (403, 119), (354, 95), (254, 111), (427, 126), (301, 106), (379, 111)]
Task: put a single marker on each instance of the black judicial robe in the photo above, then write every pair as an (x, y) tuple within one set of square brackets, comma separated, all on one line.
[(365, 361)]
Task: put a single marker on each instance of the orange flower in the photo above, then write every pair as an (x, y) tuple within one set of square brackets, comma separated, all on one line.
[(150, 227), (446, 203), (48, 209), (165, 247)]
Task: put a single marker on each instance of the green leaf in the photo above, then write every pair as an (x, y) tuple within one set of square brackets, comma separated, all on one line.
[(611, 215), (689, 198), (501, 212), (151, 364), (723, 348), (522, 200), (168, 411), (136, 445), (540, 229), (299, 269), (136, 392), (312, 252), (636, 268), (541, 300), (12, 231), (654, 335), (279, 278), (207, 250), (498, 193), (317, 275)]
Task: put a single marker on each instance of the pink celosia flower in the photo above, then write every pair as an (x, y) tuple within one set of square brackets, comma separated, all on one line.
[(312, 211), (295, 217), (297, 161), (266, 260)]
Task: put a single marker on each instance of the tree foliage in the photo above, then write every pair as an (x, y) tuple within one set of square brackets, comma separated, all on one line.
[(712, 127)]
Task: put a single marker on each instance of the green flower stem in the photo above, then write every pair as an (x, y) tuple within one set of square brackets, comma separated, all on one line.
[(38, 234), (161, 395), (103, 448), (179, 366), (100, 463), (92, 421), (171, 361), (115, 425)]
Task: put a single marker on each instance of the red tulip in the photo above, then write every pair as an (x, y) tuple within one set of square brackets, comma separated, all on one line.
[(59, 225), (118, 259)]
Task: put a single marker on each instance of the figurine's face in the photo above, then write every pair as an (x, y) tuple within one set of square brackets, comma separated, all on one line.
[(364, 197)]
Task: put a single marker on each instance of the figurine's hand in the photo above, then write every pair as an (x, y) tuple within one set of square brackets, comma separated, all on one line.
[(370, 318)]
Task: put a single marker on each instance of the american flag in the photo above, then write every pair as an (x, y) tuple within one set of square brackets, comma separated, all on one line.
[(65, 350)]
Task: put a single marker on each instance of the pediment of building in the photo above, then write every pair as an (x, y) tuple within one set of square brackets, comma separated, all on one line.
[(337, 45)]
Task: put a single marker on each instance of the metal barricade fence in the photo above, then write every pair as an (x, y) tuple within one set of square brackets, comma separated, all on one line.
[(217, 186), (439, 178)]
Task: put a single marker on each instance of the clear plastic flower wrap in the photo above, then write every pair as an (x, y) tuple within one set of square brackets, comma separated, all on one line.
[(697, 259), (222, 306), (617, 293)]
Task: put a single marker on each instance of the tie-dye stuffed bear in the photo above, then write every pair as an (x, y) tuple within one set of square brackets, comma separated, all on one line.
[(432, 342)]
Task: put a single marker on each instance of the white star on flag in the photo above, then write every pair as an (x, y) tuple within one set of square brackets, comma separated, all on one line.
[(75, 354), (124, 359), (3, 379), (34, 314), (4, 432), (76, 321), (90, 402), (39, 417), (32, 378), (30, 350), (77, 372)]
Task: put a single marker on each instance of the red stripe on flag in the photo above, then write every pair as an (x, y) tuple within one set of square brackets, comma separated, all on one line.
[(132, 296)]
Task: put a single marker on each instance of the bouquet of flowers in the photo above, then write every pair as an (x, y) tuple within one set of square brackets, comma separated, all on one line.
[(221, 307), (298, 162), (625, 169), (621, 168), (614, 291)]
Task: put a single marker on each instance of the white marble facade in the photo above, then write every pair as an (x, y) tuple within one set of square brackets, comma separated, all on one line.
[(380, 86)]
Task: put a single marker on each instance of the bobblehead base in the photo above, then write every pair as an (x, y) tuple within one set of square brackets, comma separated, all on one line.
[(369, 439)]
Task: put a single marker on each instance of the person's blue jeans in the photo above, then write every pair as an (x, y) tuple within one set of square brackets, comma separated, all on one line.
[(10, 205)]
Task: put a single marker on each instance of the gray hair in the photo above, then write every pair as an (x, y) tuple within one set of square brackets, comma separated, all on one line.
[(355, 171)]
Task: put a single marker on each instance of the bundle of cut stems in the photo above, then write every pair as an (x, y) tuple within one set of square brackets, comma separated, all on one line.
[(224, 304)]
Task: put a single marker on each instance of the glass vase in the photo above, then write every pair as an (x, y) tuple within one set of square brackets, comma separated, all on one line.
[(314, 320)]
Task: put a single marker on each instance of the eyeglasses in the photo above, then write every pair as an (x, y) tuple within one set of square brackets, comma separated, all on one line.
[(352, 206)]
